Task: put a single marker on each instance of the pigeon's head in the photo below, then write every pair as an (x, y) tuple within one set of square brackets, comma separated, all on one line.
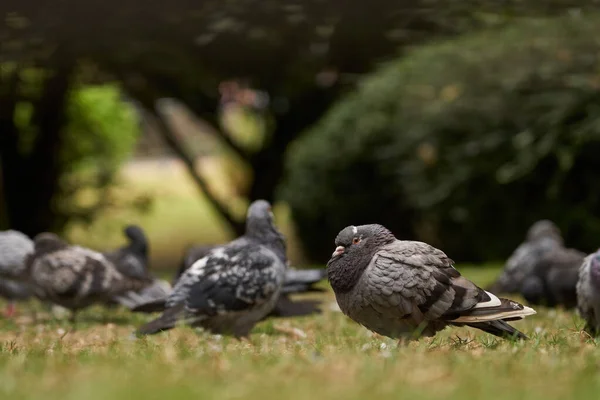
[(137, 238), (355, 247), (48, 242), (543, 229), (358, 239), (595, 269), (260, 225)]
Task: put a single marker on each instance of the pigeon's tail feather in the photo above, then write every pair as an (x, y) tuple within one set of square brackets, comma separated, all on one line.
[(302, 280), (159, 290), (151, 307), (166, 321), (492, 310), (499, 328)]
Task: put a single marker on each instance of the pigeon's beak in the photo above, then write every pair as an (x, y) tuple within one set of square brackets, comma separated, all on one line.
[(338, 250)]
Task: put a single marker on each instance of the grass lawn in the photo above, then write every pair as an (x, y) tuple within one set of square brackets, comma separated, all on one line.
[(325, 356)]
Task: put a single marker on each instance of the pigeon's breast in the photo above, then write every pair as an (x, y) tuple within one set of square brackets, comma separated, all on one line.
[(379, 313)]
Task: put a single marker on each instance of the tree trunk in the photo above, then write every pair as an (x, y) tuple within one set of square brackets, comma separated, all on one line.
[(31, 181), (268, 165)]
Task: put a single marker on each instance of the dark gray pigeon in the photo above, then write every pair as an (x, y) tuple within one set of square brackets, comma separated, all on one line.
[(131, 259), (75, 277), (234, 286), (553, 280), (588, 293), (542, 237), (408, 289), (14, 248)]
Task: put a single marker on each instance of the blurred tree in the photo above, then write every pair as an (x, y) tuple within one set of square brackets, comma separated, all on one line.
[(303, 54), (462, 143), (58, 140)]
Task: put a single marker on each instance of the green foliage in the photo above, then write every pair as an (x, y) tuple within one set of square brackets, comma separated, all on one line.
[(101, 133), (462, 144), (102, 129)]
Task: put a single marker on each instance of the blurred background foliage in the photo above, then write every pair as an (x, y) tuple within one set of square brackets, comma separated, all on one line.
[(455, 123), (462, 144)]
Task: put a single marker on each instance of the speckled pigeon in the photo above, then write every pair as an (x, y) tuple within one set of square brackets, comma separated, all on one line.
[(14, 248), (408, 289), (75, 277), (296, 280), (588, 293), (234, 286), (542, 237)]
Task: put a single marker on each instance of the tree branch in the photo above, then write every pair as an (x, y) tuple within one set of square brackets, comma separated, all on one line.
[(178, 148)]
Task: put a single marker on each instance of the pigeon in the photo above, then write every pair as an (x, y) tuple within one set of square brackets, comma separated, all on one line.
[(408, 289), (296, 280), (588, 293), (553, 279), (542, 237), (75, 277), (131, 260), (14, 248), (234, 286)]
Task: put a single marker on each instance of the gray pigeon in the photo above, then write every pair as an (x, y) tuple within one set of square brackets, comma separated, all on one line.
[(542, 237), (14, 248), (588, 293), (553, 279), (234, 286), (131, 260), (296, 280), (408, 289), (75, 277)]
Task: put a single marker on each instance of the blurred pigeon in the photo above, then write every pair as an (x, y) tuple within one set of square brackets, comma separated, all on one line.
[(588, 293), (234, 286), (542, 237), (408, 289), (296, 280), (14, 248), (553, 279), (75, 277), (132, 259)]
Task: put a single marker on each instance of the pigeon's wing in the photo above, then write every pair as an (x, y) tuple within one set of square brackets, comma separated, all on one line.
[(128, 264), (229, 279), (302, 280), (76, 272), (14, 248), (422, 281), (192, 255), (585, 303)]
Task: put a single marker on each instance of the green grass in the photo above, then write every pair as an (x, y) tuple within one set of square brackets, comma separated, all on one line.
[(332, 357)]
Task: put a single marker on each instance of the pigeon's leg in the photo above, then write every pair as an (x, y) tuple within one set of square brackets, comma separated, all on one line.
[(11, 309), (404, 341), (73, 317)]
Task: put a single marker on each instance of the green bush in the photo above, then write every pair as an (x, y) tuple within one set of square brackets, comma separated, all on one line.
[(462, 144)]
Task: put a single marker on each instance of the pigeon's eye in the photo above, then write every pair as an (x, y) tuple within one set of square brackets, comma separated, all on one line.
[(356, 240)]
